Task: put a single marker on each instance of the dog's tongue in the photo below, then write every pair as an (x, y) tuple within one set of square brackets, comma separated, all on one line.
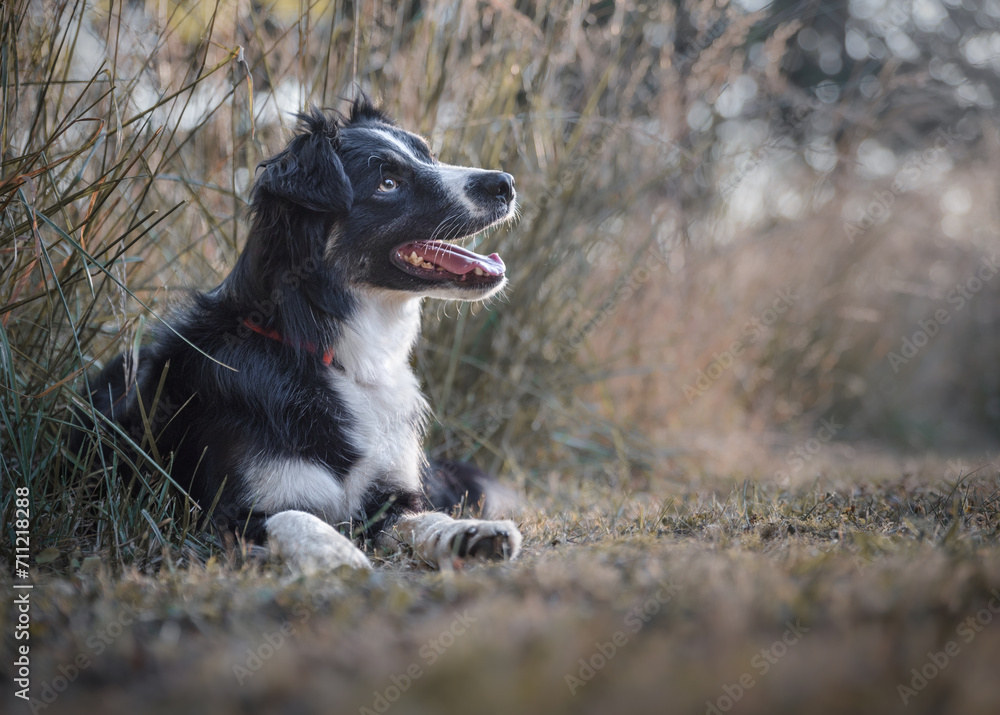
[(454, 259)]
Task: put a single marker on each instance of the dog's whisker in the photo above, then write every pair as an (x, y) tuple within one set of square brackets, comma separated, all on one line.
[(449, 224)]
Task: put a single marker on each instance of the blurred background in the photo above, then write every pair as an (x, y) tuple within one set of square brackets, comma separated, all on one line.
[(750, 232)]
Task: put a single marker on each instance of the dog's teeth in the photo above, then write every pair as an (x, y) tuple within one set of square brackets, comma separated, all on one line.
[(427, 265), (479, 271)]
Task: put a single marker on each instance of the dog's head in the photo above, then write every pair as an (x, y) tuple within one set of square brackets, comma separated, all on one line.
[(392, 209)]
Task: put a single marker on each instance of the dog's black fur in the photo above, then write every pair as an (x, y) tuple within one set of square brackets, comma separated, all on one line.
[(236, 384)]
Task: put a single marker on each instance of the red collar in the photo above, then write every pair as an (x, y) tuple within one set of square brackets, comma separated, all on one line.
[(275, 335)]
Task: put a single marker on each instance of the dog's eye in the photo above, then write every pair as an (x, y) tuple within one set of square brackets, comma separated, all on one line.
[(388, 185)]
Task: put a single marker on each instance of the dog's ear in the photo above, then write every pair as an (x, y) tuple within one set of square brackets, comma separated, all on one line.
[(309, 173)]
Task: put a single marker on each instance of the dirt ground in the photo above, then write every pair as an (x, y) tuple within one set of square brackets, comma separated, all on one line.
[(846, 594)]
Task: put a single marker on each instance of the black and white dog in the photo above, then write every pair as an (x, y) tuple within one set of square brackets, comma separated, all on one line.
[(285, 396)]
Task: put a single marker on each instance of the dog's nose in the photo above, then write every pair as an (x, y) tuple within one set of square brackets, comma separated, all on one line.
[(501, 185)]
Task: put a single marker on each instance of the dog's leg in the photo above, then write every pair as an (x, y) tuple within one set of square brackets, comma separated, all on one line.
[(308, 544), (437, 538)]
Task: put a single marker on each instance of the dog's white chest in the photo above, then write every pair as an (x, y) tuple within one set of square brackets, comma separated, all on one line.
[(381, 394)]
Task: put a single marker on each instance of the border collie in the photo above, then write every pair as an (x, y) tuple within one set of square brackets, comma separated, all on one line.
[(285, 396)]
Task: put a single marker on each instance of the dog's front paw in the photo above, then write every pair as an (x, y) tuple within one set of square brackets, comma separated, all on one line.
[(439, 539), (308, 545), (485, 540)]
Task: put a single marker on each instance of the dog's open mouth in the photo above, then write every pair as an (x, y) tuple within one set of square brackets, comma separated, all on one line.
[(437, 260)]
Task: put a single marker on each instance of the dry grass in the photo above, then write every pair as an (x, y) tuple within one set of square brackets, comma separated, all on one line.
[(681, 167), (864, 580)]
